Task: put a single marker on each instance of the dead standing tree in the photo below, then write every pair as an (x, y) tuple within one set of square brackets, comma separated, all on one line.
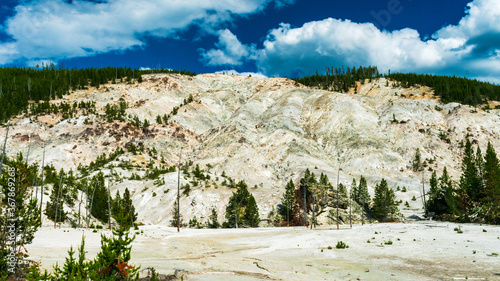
[(342, 155)]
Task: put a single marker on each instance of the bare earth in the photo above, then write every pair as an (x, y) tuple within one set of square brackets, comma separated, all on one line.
[(420, 251)]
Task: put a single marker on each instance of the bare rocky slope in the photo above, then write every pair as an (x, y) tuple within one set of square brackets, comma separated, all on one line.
[(263, 131)]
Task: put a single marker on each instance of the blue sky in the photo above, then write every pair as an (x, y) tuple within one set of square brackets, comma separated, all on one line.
[(271, 37)]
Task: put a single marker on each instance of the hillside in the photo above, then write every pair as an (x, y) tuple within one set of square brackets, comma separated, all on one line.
[(263, 131)]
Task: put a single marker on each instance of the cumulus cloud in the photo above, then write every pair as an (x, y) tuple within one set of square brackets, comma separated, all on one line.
[(333, 42), (471, 48), (46, 29), (230, 51)]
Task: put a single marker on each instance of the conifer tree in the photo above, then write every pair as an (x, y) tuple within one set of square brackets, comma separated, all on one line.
[(100, 201), (384, 202), (288, 201), (437, 200), (470, 182), (363, 197), (242, 208), (111, 263), (213, 221), (54, 209), (176, 216), (251, 217), (354, 189), (417, 161), (492, 184), (25, 212)]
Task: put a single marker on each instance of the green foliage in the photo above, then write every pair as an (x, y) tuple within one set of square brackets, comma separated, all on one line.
[(416, 164), (360, 194), (384, 203), (103, 159), (194, 223), (212, 220), (451, 89), (341, 245), (110, 264), (123, 210), (54, 209), (73, 270), (491, 179), (65, 109), (155, 172), (116, 111), (100, 206), (19, 86), (251, 216), (15, 183), (441, 198), (176, 216), (305, 190), (339, 79), (242, 209), (287, 208), (198, 173)]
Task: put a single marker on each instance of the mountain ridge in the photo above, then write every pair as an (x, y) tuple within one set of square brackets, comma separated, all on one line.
[(261, 130)]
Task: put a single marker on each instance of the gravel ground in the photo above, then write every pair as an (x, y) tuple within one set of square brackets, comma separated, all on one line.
[(419, 251)]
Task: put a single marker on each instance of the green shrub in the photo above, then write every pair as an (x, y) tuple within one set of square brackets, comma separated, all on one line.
[(341, 245)]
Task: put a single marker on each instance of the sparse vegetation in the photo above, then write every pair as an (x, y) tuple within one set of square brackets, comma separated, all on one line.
[(341, 245)]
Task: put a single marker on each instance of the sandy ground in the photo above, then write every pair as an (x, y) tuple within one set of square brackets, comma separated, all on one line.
[(420, 251)]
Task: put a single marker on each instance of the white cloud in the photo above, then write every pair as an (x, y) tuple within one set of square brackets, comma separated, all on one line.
[(470, 48), (48, 29), (333, 42), (229, 51)]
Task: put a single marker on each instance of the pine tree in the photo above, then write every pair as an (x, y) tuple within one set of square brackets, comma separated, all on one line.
[(26, 211), (111, 263), (242, 208), (176, 216), (492, 184), (470, 182), (417, 161), (128, 206), (354, 190), (288, 201), (437, 202), (100, 202), (446, 183), (251, 217), (55, 207), (72, 269), (213, 220), (305, 187), (363, 197), (384, 202)]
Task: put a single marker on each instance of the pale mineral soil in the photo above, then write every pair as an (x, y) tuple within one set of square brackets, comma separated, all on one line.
[(425, 250)]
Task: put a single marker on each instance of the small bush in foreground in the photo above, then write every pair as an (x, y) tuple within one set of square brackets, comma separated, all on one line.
[(341, 245)]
